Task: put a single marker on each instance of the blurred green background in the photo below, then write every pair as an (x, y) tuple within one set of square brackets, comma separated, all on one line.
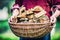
[(5, 13)]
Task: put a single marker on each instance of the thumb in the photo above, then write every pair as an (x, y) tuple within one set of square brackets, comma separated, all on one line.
[(53, 19)]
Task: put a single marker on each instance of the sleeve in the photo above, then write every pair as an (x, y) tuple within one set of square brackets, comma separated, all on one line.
[(18, 2), (56, 5), (16, 5)]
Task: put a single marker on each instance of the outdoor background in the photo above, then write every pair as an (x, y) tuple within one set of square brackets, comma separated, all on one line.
[(5, 13)]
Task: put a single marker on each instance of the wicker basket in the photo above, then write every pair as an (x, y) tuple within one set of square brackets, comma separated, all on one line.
[(30, 29)]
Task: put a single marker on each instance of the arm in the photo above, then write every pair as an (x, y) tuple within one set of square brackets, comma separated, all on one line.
[(15, 9), (16, 5), (18, 2), (56, 12)]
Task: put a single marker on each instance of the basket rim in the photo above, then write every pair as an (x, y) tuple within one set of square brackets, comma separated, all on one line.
[(28, 23)]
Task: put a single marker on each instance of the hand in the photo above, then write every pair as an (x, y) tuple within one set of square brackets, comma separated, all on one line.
[(53, 19), (11, 18)]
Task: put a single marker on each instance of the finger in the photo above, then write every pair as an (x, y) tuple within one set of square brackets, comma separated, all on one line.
[(54, 20), (11, 19), (51, 19)]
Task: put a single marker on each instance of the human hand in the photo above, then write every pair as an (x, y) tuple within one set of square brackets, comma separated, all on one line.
[(53, 19), (14, 15)]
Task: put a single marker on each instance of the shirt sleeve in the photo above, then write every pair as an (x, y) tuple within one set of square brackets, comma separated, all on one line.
[(17, 2), (56, 5), (16, 5)]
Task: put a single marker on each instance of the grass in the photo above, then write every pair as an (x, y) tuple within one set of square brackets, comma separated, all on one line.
[(8, 36), (56, 36)]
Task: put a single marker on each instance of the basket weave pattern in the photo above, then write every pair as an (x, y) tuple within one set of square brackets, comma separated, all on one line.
[(30, 29)]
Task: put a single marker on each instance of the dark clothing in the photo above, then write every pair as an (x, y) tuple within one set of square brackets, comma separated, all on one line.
[(47, 37)]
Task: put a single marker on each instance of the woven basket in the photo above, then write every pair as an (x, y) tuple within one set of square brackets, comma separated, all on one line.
[(30, 29)]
